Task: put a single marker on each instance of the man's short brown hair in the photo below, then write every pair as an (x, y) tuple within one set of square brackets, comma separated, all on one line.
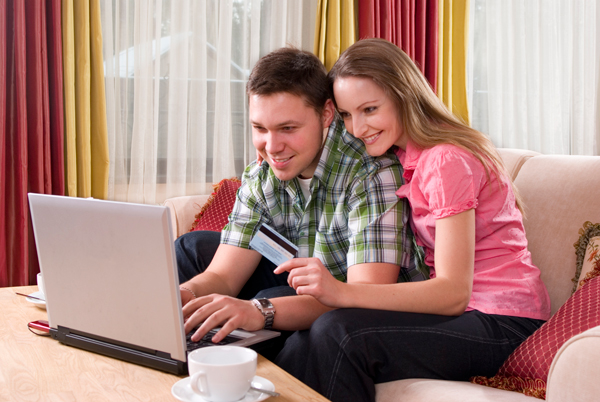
[(291, 71)]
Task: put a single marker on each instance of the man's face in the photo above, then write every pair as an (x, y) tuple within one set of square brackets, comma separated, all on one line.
[(287, 133)]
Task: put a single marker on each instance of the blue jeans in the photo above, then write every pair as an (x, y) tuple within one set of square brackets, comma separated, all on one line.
[(347, 351)]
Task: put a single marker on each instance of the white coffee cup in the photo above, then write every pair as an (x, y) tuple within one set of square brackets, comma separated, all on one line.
[(40, 283), (222, 373)]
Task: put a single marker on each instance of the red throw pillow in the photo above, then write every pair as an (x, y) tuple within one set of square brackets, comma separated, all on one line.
[(526, 369), (215, 213)]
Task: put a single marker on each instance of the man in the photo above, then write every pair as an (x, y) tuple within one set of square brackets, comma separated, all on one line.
[(316, 186)]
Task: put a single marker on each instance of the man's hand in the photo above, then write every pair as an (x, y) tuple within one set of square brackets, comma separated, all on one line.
[(308, 276), (226, 312)]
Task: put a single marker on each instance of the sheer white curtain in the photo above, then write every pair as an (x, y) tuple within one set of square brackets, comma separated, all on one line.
[(534, 74), (175, 86)]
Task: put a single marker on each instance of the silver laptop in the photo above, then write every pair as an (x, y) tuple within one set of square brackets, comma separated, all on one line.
[(111, 282)]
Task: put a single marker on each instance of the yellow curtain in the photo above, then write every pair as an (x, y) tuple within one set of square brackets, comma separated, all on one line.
[(335, 29), (452, 61), (86, 137)]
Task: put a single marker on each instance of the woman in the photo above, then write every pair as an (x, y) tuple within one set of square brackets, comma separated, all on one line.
[(484, 297)]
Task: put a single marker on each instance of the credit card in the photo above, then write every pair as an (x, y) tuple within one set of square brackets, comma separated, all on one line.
[(273, 246)]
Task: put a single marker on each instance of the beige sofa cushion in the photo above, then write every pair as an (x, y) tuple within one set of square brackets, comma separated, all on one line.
[(556, 207)]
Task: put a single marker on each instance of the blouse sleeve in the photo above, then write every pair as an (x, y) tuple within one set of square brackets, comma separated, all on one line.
[(452, 180)]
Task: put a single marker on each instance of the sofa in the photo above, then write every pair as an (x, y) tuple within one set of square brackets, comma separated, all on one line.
[(560, 193)]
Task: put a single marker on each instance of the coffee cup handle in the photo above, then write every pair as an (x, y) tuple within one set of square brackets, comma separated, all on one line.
[(199, 384)]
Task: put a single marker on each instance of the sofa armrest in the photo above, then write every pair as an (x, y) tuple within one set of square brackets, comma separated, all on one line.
[(574, 372), (183, 210), (513, 159)]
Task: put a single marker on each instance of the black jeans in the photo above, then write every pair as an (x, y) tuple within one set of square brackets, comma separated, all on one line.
[(347, 351), (194, 252)]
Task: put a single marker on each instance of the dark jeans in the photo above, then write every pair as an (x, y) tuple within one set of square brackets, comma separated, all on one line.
[(194, 252), (347, 351)]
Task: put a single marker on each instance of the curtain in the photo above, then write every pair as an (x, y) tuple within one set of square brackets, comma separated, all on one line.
[(410, 24), (86, 135), (175, 74), (534, 74), (31, 126), (453, 46), (335, 29)]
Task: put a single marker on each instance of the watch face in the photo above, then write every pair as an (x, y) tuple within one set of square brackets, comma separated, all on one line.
[(266, 305)]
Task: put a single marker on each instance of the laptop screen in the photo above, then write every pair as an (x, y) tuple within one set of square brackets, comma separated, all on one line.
[(109, 270)]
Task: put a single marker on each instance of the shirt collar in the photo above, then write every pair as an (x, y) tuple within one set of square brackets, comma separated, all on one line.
[(409, 159), (329, 156)]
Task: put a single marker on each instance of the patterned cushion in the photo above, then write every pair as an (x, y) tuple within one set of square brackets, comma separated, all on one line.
[(215, 213), (587, 250), (526, 369)]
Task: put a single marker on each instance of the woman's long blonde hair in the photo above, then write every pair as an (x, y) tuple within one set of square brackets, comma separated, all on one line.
[(423, 116)]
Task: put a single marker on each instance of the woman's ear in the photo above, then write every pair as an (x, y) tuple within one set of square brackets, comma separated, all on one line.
[(328, 113)]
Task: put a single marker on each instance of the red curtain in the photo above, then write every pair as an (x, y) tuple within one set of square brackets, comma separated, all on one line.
[(410, 24), (31, 126)]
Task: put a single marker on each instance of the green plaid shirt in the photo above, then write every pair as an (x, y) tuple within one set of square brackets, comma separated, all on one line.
[(353, 215)]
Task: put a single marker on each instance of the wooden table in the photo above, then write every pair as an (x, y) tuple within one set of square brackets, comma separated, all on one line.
[(38, 368)]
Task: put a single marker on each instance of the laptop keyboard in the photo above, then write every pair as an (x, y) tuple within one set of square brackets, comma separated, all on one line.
[(206, 340)]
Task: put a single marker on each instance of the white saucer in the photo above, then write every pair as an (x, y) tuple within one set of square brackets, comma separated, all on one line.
[(182, 391), (38, 303)]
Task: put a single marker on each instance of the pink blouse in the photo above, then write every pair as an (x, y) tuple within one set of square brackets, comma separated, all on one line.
[(446, 180)]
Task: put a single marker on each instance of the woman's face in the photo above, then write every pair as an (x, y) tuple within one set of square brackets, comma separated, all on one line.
[(369, 114)]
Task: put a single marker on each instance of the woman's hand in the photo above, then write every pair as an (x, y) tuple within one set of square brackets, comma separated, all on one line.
[(226, 312), (308, 276)]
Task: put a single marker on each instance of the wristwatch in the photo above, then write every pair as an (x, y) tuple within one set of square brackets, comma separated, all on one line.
[(267, 309)]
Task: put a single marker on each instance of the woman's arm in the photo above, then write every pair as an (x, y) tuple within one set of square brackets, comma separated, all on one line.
[(447, 294)]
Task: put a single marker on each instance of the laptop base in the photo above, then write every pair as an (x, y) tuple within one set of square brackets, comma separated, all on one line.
[(130, 353)]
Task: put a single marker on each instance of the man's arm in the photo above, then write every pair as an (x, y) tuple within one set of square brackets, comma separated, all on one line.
[(378, 220), (228, 272), (295, 313)]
